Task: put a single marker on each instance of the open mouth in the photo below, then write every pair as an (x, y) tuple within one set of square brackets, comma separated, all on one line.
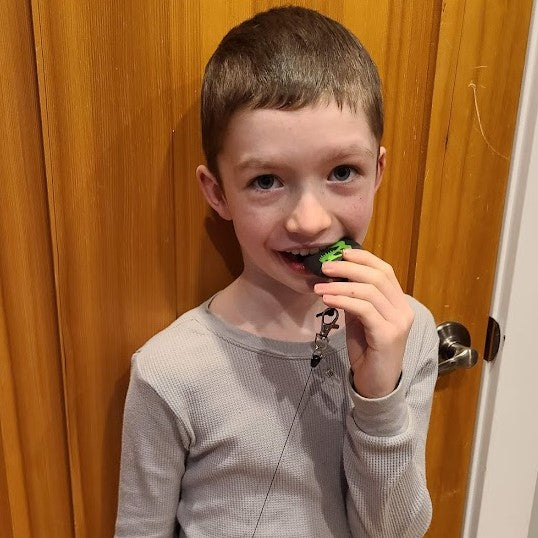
[(311, 260), (299, 255), (296, 259), (288, 256)]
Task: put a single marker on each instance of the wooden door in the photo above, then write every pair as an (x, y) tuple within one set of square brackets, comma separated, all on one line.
[(474, 109), (35, 496), (106, 239)]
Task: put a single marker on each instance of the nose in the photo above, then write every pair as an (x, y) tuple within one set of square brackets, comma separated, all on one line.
[(308, 216)]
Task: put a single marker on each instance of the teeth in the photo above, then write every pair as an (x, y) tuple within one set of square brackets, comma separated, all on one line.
[(304, 251)]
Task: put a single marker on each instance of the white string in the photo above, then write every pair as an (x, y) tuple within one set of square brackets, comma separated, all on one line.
[(472, 85)]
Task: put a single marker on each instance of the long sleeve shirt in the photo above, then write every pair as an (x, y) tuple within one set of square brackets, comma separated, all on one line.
[(230, 434)]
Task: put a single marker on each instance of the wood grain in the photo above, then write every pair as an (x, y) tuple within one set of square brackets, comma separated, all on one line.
[(208, 256), (33, 439), (105, 99), (465, 181), (14, 513), (106, 237)]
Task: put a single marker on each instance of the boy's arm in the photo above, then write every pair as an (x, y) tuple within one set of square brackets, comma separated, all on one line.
[(384, 453), (152, 463), (386, 431)]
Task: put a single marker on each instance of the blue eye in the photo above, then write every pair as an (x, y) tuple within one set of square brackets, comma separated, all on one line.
[(342, 173), (265, 182)]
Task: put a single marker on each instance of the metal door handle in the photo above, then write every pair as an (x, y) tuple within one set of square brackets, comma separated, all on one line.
[(455, 349)]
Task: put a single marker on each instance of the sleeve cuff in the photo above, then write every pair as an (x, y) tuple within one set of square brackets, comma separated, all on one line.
[(380, 417)]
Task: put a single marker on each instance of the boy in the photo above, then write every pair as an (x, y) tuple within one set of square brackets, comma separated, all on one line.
[(230, 427)]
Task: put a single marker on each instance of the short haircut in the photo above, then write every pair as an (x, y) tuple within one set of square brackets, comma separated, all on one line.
[(286, 58)]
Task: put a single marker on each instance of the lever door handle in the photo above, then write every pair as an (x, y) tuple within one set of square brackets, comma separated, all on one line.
[(455, 349)]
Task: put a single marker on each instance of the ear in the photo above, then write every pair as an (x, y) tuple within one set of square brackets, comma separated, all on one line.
[(213, 192), (381, 162)]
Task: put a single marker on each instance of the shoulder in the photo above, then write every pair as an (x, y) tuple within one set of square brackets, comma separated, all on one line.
[(179, 354)]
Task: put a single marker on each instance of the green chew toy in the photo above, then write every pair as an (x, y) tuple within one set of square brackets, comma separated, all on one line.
[(328, 254)]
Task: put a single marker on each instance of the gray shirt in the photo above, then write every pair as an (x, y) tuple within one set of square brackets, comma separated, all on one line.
[(231, 434)]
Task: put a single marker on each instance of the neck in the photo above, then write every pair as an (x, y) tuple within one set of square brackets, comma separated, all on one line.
[(286, 315)]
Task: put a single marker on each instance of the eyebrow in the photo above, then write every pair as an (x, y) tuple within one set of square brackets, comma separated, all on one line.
[(354, 151), (255, 162), (335, 154), (351, 151)]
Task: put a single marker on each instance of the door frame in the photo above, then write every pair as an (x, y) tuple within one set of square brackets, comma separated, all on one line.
[(503, 487)]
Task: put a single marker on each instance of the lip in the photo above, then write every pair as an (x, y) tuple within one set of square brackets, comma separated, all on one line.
[(307, 247), (295, 266)]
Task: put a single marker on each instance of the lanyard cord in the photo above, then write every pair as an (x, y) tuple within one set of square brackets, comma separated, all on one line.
[(282, 452), (320, 344)]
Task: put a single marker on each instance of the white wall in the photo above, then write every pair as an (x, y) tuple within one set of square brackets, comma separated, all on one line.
[(503, 497)]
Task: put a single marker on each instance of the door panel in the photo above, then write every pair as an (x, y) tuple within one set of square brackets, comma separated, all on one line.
[(132, 243), (34, 476), (473, 118), (105, 91)]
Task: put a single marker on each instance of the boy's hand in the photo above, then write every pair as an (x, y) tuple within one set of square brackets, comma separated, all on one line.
[(378, 318)]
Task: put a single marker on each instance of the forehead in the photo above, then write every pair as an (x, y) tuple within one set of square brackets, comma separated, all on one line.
[(259, 136)]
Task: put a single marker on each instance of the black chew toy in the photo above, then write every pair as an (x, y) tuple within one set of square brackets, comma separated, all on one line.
[(328, 254)]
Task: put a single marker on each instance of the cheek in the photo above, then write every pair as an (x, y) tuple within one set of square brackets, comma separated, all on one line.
[(361, 209), (249, 225), (255, 218), (357, 216)]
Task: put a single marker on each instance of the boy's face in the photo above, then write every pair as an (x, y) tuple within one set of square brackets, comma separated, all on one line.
[(294, 181)]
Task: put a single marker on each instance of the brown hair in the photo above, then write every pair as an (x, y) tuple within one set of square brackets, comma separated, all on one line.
[(286, 58)]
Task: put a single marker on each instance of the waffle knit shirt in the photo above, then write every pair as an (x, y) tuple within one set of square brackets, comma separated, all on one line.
[(212, 411)]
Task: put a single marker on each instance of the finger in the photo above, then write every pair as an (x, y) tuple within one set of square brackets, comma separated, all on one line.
[(355, 272), (365, 311), (363, 291), (364, 257)]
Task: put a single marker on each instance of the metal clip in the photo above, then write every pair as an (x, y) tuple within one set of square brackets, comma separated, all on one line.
[(322, 338)]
